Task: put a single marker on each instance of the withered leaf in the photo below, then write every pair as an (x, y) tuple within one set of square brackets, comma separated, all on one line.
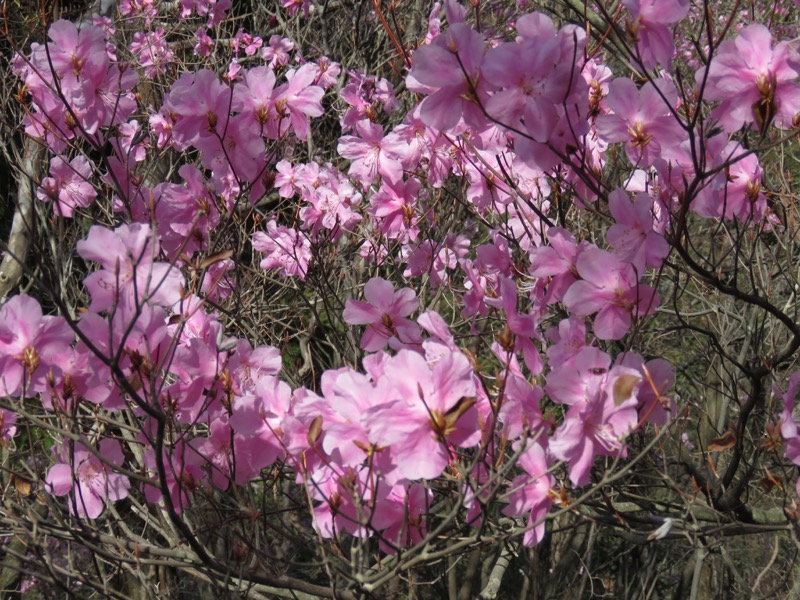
[(723, 442)]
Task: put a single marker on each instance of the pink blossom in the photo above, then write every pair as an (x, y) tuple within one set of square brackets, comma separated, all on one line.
[(153, 52), (286, 249), (403, 516), (394, 206), (736, 191), (519, 328), (30, 344), (448, 70), (133, 141), (643, 119), (789, 426), (364, 94), (276, 52), (205, 44), (429, 409), (331, 207), (68, 185), (755, 82), (371, 154), (520, 412), (89, 480), (292, 6), (299, 99), (251, 43), (237, 152), (649, 29), (557, 260), (202, 104), (329, 72), (215, 9), (434, 259), (75, 67), (186, 214), (254, 97), (130, 274), (143, 9), (284, 179), (345, 495), (8, 420), (657, 379), (184, 476), (533, 75), (598, 423), (530, 492), (609, 287), (385, 312), (569, 339), (633, 236)]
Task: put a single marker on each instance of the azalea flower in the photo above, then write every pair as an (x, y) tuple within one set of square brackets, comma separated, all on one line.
[(755, 82), (68, 185), (89, 480), (385, 312)]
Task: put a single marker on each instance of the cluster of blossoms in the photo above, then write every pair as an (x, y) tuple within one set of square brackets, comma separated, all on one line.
[(511, 118)]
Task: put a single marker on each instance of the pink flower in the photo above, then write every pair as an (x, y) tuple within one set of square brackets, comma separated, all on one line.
[(657, 378), (385, 313), (74, 86), (520, 411), (30, 344), (8, 420), (608, 286), (569, 339), (130, 274), (202, 104), (557, 261), (533, 75), (215, 9), (598, 423), (393, 205), (530, 492), (649, 29), (643, 119), (364, 93), (789, 425), (329, 72), (153, 52), (331, 207), (449, 71), (286, 249), (299, 99), (238, 151), (736, 191), (755, 82), (251, 43), (345, 439), (90, 480), (372, 154), (519, 328), (144, 9), (292, 6), (205, 44), (403, 516), (276, 53), (68, 185), (186, 213), (633, 236), (429, 409)]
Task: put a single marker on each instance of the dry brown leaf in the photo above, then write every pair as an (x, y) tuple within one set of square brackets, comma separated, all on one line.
[(23, 486), (723, 442)]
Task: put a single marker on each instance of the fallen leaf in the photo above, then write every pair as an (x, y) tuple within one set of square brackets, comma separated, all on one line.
[(723, 442)]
